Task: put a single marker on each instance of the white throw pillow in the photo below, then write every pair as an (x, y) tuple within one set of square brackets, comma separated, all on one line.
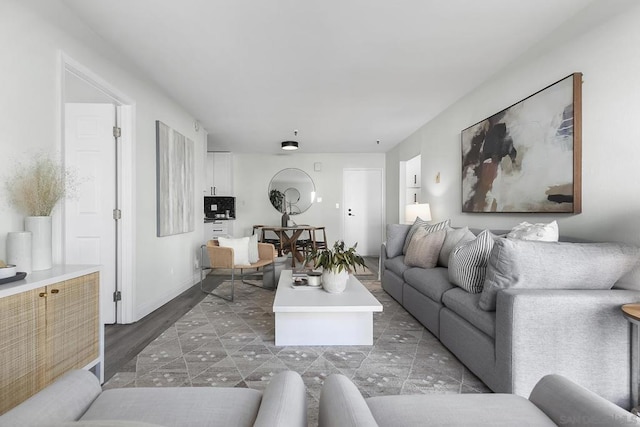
[(240, 249), (540, 232), (254, 255)]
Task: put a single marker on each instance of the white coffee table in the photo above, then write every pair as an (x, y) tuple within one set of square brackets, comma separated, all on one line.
[(315, 317)]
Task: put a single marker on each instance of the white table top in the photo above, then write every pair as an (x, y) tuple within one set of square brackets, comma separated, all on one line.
[(38, 279), (354, 298)]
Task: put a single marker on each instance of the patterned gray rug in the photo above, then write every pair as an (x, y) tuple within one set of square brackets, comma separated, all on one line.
[(231, 344)]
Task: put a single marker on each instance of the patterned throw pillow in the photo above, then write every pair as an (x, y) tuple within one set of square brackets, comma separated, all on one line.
[(540, 232), (455, 237), (468, 262), (424, 248), (419, 223)]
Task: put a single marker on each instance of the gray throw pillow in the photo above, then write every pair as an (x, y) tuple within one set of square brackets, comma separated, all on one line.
[(555, 265), (468, 262), (424, 248), (455, 236), (396, 236), (419, 223)]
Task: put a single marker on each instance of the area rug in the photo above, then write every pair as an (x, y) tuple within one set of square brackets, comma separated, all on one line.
[(231, 344)]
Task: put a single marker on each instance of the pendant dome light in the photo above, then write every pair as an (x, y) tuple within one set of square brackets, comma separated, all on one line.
[(290, 145)]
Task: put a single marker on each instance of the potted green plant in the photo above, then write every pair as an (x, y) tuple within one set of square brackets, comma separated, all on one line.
[(336, 264)]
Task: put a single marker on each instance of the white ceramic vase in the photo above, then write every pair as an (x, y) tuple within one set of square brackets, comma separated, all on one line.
[(40, 228), (333, 282), (19, 250)]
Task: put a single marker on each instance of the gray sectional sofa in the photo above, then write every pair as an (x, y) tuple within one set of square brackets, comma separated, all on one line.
[(554, 401), (578, 333), (76, 399)]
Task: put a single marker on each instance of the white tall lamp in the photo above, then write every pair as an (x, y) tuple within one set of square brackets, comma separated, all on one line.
[(415, 210)]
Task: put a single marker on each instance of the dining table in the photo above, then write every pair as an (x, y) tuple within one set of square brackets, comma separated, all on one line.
[(288, 239)]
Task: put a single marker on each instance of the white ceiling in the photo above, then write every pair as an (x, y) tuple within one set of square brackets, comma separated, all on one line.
[(344, 73)]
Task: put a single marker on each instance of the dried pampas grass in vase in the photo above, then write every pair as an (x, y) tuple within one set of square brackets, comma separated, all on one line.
[(36, 188)]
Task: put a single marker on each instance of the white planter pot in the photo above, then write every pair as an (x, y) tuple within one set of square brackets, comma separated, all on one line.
[(334, 283), (40, 228), (19, 250)]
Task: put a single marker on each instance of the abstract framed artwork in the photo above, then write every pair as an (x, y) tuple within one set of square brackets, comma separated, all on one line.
[(175, 181), (528, 157)]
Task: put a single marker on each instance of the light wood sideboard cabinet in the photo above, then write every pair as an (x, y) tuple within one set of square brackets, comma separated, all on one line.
[(46, 331)]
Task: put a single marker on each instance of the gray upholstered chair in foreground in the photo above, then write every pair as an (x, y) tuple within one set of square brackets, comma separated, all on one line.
[(77, 399), (554, 401)]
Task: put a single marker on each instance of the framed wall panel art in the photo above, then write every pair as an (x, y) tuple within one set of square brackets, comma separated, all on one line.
[(528, 157), (175, 181)]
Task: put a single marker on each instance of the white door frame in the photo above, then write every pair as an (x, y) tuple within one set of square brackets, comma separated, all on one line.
[(125, 162)]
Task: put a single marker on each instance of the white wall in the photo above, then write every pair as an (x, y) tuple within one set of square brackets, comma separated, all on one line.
[(607, 55), (34, 33), (253, 172)]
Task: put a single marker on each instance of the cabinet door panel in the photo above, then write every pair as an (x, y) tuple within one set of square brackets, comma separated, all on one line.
[(22, 329), (73, 324)]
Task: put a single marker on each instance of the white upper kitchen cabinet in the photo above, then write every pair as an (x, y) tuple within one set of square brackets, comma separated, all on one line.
[(219, 174)]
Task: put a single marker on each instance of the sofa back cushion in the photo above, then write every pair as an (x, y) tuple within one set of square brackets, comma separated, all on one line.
[(555, 265), (468, 262), (455, 236), (396, 236), (424, 248)]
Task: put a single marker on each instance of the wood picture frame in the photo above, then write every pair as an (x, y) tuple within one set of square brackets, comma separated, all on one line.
[(527, 158)]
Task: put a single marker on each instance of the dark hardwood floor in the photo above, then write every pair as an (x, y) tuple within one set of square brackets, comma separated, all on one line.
[(124, 342)]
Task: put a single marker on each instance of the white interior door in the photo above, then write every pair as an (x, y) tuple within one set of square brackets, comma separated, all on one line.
[(90, 230), (362, 208)]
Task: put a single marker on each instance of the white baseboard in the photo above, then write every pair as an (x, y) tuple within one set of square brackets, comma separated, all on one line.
[(150, 307)]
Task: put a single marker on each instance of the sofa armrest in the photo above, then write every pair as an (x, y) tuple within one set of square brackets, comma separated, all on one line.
[(284, 402), (342, 405), (67, 399), (580, 334), (568, 404)]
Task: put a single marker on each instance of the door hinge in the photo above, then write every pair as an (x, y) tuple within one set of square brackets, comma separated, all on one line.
[(117, 214), (117, 296), (117, 132)]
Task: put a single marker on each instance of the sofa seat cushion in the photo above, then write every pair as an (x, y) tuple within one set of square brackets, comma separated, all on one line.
[(466, 305), (396, 265), (459, 410), (432, 282), (183, 406)]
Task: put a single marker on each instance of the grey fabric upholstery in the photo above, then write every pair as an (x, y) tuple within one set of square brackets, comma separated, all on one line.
[(396, 265), (461, 410), (284, 402), (423, 308), (392, 284), (554, 401), (455, 236), (576, 333), (341, 404), (66, 399), (466, 306), (77, 396), (568, 404), (432, 282), (547, 265), (396, 235), (178, 406), (579, 334)]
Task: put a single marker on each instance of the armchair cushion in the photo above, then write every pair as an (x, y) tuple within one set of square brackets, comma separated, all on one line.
[(240, 249)]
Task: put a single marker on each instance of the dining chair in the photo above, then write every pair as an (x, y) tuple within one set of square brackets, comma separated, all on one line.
[(223, 258), (318, 244)]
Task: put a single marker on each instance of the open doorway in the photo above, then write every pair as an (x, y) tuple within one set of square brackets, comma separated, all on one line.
[(97, 224)]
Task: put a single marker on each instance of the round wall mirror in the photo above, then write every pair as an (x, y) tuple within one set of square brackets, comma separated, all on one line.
[(292, 189)]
